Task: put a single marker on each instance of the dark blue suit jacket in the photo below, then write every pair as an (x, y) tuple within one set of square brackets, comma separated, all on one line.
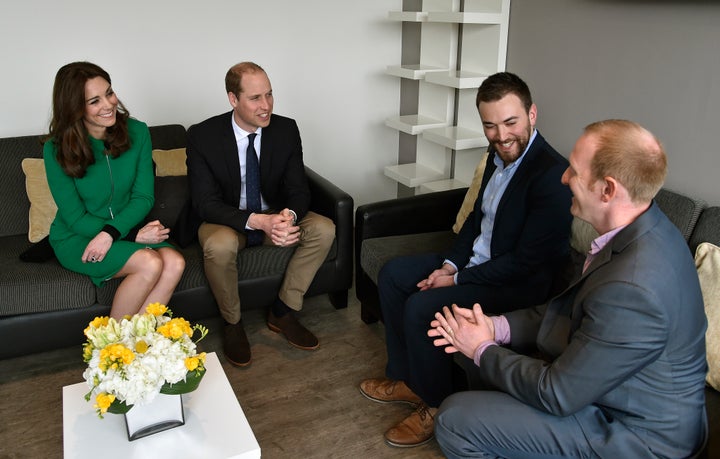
[(214, 170), (530, 239)]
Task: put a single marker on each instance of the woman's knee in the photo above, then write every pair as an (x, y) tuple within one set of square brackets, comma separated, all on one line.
[(147, 262), (173, 262)]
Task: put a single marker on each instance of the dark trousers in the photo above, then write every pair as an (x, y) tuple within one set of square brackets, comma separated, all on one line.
[(407, 313)]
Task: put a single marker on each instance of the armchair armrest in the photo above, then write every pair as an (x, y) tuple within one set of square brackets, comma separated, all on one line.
[(416, 214), (329, 200)]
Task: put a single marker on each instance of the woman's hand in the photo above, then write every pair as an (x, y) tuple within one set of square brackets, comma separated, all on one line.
[(97, 248), (152, 233)]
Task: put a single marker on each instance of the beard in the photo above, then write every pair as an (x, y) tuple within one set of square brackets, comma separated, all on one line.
[(517, 148)]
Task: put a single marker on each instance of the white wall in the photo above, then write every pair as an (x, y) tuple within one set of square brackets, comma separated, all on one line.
[(168, 59)]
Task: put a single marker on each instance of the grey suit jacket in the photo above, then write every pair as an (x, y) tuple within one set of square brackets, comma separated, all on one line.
[(624, 347)]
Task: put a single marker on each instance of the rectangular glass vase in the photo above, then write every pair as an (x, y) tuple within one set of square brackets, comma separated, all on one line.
[(163, 413)]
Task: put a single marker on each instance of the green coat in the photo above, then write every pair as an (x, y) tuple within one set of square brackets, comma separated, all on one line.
[(114, 191)]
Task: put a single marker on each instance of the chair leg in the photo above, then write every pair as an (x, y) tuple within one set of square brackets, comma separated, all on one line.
[(339, 299)]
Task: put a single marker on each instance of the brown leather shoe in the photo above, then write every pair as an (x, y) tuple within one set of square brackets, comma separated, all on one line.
[(386, 390), (235, 345), (414, 430), (294, 332)]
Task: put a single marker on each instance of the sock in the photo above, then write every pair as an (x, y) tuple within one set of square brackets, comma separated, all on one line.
[(279, 308)]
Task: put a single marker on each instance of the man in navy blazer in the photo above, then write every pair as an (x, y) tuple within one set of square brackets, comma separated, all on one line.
[(621, 371), (506, 256), (221, 152)]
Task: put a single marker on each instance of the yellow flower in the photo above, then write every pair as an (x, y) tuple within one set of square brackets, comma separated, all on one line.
[(141, 347), (97, 322), (87, 352), (156, 309), (191, 363), (175, 328), (114, 356), (103, 402)]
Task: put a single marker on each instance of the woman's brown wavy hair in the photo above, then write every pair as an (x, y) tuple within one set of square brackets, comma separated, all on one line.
[(67, 128)]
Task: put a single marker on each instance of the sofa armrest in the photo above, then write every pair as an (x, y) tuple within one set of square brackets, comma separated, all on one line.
[(329, 200)]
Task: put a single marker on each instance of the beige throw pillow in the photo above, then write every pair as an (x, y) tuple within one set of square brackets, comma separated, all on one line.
[(707, 262), (581, 235), (170, 162), (42, 204), (471, 195)]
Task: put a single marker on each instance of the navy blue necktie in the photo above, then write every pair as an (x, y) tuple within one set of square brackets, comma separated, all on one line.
[(252, 189)]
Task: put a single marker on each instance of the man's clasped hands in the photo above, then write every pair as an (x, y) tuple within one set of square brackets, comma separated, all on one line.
[(461, 329)]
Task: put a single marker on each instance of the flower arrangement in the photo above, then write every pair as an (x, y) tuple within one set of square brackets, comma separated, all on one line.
[(132, 360)]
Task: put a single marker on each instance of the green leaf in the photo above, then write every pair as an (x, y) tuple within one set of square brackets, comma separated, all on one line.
[(118, 407), (192, 381)]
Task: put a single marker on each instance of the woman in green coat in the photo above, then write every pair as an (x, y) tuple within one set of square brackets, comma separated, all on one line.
[(98, 163)]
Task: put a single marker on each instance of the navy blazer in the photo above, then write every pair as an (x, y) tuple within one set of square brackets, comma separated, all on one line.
[(530, 238), (624, 347), (214, 170)]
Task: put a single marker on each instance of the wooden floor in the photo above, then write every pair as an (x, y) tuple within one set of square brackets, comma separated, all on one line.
[(300, 404)]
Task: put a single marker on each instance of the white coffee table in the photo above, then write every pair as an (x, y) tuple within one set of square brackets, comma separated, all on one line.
[(215, 426)]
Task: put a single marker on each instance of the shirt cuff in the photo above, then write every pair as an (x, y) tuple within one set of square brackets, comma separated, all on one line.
[(502, 329)]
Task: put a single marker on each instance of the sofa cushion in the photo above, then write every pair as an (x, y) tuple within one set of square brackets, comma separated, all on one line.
[(14, 218), (171, 194), (707, 261), (471, 196), (170, 162), (682, 210), (581, 235), (193, 277), (706, 229), (375, 252), (38, 287), (42, 204)]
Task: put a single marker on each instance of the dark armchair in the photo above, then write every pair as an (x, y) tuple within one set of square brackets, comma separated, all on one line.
[(386, 229)]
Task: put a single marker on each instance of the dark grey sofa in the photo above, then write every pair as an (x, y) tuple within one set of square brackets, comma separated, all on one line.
[(43, 306), (396, 227)]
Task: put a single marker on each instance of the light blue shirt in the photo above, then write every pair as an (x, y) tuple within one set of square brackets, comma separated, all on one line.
[(491, 199)]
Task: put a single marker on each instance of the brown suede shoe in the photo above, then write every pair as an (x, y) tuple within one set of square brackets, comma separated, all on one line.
[(386, 390), (294, 332), (414, 430), (235, 345)]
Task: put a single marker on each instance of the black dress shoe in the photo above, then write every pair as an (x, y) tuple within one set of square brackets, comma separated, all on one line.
[(235, 345), (294, 332)]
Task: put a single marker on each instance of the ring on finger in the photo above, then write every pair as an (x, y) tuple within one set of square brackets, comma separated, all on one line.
[(93, 259)]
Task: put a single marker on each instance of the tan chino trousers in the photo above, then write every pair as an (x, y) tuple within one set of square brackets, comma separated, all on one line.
[(221, 245)]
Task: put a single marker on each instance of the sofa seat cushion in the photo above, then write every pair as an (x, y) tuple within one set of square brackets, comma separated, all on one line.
[(38, 287), (263, 261), (375, 252)]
